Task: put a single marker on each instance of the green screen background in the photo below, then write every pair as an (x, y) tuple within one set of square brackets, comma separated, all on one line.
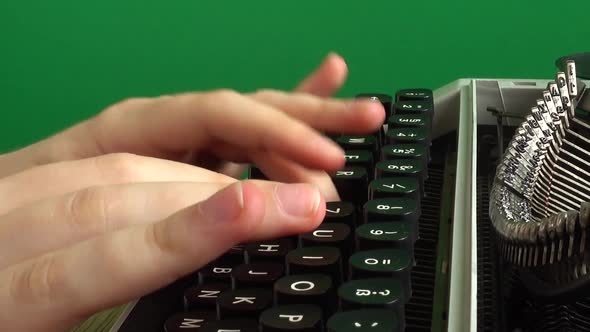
[(62, 60)]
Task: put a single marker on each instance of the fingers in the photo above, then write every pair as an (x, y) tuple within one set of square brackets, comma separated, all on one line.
[(197, 122), (69, 176), (283, 170), (61, 287), (328, 115), (327, 78), (91, 212)]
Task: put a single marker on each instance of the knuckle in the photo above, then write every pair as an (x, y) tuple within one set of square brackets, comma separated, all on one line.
[(123, 105), (158, 237), (44, 278), (132, 101), (209, 100), (86, 210), (119, 167), (224, 94), (265, 93)]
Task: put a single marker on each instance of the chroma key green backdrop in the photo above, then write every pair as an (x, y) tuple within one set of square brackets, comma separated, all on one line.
[(64, 60)]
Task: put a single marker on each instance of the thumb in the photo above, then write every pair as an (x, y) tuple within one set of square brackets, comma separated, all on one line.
[(61, 287)]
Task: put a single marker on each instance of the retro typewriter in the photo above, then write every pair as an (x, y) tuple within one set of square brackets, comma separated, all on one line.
[(468, 211)]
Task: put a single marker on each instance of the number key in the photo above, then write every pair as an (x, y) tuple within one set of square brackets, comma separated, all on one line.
[(402, 168), (409, 121), (386, 263), (414, 107), (406, 151), (395, 187), (407, 135), (340, 212), (414, 94), (392, 209), (381, 235)]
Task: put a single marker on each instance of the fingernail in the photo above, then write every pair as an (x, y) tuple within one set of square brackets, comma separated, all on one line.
[(224, 206), (298, 200)]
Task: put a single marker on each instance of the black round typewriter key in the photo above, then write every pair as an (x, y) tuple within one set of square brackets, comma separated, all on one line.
[(216, 271), (414, 94), (414, 107), (386, 102), (256, 275), (325, 260), (357, 142), (383, 263), (330, 234), (407, 135), (409, 121), (234, 256), (373, 292), (203, 297), (395, 187), (392, 209), (340, 212), (382, 235), (406, 151), (272, 251), (305, 289), (244, 302), (348, 181), (365, 320), (402, 167), (360, 158), (188, 321), (231, 325), (295, 317), (385, 99)]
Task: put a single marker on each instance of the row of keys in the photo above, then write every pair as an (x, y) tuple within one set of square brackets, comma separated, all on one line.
[(387, 222), (372, 292), (393, 179), (294, 318), (328, 260)]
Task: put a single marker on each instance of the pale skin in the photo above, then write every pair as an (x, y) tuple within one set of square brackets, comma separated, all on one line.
[(147, 191)]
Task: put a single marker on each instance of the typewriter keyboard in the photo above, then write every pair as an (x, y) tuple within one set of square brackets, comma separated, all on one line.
[(368, 267)]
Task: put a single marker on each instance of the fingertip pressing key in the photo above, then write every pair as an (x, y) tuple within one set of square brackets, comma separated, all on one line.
[(370, 113), (298, 200)]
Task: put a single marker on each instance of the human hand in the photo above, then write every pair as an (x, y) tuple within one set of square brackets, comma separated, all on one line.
[(64, 258), (109, 227), (280, 132)]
